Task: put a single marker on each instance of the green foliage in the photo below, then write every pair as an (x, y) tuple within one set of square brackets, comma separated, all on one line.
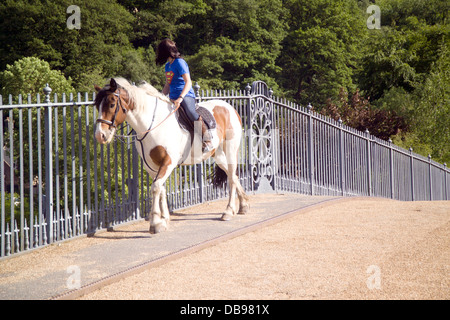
[(29, 75), (305, 50), (240, 41), (433, 107), (321, 49), (38, 28)]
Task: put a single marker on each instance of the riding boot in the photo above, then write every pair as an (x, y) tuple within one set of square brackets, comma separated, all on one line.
[(207, 144)]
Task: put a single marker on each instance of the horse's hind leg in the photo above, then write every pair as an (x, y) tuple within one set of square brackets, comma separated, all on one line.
[(230, 211), (243, 199)]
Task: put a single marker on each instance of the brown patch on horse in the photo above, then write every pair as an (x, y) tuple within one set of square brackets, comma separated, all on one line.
[(161, 158), (222, 116)]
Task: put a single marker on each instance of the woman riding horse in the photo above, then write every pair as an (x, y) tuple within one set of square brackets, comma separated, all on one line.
[(179, 85)]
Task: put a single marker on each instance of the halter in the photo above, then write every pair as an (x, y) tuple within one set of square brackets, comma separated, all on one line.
[(118, 106)]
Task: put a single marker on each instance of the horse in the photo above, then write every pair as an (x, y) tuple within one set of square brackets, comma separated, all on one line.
[(163, 144)]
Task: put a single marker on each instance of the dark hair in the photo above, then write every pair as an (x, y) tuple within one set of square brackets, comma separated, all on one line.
[(166, 48)]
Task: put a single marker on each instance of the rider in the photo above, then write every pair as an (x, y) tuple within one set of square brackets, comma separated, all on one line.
[(179, 85)]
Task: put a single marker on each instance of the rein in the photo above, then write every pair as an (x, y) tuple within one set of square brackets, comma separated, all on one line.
[(129, 135)]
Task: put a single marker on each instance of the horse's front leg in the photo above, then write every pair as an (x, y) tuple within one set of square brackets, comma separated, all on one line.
[(160, 215), (157, 222)]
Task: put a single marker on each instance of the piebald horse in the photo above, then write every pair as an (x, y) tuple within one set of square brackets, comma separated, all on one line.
[(163, 144)]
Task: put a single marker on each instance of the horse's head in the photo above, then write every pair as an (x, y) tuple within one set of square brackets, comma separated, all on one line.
[(112, 105)]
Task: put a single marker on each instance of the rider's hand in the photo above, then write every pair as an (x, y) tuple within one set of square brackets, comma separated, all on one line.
[(178, 102)]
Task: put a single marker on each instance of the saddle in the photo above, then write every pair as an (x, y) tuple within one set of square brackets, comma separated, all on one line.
[(188, 125)]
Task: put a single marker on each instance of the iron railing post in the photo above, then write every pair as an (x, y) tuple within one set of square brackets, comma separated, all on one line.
[(391, 168), (273, 138), (251, 163), (341, 158), (199, 166), (445, 182), (310, 149), (48, 164), (430, 176), (369, 164), (412, 172), (2, 187), (135, 182)]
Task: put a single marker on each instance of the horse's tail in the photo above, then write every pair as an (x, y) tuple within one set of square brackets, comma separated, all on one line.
[(219, 177)]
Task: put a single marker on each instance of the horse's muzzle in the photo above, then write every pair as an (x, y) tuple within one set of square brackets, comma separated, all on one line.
[(104, 136)]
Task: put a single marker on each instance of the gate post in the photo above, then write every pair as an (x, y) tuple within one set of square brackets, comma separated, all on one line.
[(48, 164)]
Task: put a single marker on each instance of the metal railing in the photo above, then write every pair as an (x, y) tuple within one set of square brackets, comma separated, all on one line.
[(58, 183)]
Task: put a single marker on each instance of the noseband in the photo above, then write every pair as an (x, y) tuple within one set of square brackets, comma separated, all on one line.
[(118, 106)]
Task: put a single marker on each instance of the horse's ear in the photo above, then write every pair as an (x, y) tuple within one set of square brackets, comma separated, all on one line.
[(97, 88), (113, 84)]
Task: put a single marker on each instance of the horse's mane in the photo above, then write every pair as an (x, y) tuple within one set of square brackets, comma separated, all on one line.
[(136, 94)]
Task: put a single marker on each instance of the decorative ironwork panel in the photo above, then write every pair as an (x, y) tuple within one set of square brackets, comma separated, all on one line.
[(261, 136)]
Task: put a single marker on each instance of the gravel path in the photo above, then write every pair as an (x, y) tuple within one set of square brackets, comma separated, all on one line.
[(364, 249)]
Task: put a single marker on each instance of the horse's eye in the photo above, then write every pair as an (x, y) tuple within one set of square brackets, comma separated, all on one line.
[(112, 106)]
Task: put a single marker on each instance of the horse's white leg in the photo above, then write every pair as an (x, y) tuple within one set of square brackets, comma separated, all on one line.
[(230, 211), (156, 223), (165, 214), (160, 212), (232, 150), (235, 187), (244, 206)]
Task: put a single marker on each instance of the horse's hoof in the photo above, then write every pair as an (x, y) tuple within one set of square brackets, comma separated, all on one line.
[(160, 227), (226, 217), (244, 209)]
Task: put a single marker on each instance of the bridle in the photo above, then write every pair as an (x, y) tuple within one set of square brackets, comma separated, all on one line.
[(118, 106)]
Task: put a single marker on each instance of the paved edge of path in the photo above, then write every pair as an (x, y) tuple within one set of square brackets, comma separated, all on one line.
[(88, 288)]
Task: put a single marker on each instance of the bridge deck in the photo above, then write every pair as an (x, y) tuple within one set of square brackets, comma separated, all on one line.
[(55, 270)]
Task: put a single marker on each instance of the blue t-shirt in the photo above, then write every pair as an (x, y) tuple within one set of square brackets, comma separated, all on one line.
[(174, 78)]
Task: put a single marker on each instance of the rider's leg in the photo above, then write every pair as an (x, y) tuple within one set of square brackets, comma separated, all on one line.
[(188, 105)]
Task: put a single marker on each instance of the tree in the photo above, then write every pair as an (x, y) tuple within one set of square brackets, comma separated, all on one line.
[(433, 107), (403, 69), (39, 28), (234, 42), (358, 113), (402, 52), (321, 50), (29, 75)]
